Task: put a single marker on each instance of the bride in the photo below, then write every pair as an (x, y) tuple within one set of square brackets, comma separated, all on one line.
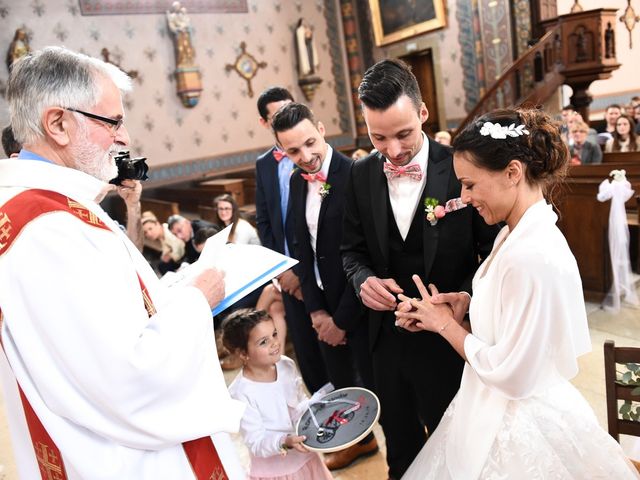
[(516, 415)]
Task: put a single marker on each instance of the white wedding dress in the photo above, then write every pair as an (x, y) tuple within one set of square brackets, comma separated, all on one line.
[(516, 415)]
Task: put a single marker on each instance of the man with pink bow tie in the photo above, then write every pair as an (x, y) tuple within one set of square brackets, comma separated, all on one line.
[(317, 201), (399, 221), (275, 225)]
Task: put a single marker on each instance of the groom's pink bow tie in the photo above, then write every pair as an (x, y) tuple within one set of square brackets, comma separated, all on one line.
[(278, 155), (412, 171), (312, 177)]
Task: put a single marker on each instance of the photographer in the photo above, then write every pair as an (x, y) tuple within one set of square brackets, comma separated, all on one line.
[(106, 373)]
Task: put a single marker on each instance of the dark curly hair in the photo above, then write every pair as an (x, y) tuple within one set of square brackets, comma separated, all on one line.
[(542, 151), (238, 325)]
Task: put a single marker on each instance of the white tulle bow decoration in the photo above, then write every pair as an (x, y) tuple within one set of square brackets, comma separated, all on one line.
[(618, 190)]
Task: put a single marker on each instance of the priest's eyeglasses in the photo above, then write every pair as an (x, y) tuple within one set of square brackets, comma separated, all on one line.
[(115, 124)]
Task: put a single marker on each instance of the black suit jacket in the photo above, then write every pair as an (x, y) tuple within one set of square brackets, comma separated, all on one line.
[(452, 247), (268, 213), (338, 297)]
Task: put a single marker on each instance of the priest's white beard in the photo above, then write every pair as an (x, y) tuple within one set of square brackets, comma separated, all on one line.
[(94, 161)]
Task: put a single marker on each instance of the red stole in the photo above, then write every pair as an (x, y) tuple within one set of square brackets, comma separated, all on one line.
[(15, 214)]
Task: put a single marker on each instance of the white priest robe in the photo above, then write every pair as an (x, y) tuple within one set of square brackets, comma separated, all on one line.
[(118, 391), (516, 415)]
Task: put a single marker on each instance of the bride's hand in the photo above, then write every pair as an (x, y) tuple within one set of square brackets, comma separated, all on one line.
[(458, 301), (424, 315)]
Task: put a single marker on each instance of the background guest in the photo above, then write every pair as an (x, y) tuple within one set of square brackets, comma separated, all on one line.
[(10, 145), (443, 137), (186, 230), (227, 213), (158, 237), (582, 151), (624, 137)]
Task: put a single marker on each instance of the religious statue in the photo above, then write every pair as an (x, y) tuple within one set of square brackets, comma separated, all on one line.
[(180, 26), (189, 83), (19, 47), (308, 63), (305, 46)]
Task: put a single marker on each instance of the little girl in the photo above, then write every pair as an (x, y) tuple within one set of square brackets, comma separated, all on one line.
[(271, 387)]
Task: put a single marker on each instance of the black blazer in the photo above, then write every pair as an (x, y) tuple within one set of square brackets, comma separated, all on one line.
[(268, 215), (338, 297), (591, 153), (453, 247)]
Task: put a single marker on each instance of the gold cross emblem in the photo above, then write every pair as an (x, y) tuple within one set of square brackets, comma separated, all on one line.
[(49, 463), (5, 229), (218, 474)]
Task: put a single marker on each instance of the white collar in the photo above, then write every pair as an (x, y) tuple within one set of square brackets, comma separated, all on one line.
[(48, 176)]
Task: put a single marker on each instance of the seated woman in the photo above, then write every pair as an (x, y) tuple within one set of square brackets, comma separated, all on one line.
[(227, 213), (624, 137), (157, 236), (516, 415)]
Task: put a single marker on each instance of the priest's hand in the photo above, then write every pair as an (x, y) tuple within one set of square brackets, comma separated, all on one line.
[(424, 315), (379, 293), (289, 282), (211, 283)]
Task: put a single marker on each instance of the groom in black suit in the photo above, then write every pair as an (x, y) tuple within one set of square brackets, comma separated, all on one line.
[(274, 221), (317, 197), (387, 238)]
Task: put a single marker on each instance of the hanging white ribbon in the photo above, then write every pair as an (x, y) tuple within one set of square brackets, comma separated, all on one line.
[(618, 190)]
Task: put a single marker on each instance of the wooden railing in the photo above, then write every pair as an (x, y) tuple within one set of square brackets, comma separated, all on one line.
[(576, 49), (530, 79)]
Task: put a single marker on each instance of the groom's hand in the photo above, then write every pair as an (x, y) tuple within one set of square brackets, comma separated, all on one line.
[(379, 293)]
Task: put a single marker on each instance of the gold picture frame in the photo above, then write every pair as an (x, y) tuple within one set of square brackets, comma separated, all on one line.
[(396, 20)]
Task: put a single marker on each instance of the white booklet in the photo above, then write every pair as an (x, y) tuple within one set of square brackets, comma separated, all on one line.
[(246, 267)]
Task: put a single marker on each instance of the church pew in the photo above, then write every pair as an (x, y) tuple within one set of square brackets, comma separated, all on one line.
[(584, 221), (161, 208), (249, 184), (187, 198), (621, 157), (208, 213), (219, 186)]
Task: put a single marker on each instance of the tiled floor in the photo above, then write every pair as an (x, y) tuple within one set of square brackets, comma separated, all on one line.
[(623, 328)]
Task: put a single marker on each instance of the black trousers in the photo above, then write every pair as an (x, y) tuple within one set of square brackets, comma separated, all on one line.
[(416, 376), (305, 343)]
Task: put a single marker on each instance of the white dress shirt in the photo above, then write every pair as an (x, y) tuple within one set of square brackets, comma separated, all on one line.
[(314, 201), (405, 192)]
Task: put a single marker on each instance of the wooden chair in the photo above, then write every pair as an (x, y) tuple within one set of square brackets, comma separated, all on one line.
[(615, 391)]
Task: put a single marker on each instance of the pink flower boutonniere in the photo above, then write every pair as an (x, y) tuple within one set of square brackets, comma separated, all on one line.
[(324, 189), (435, 212)]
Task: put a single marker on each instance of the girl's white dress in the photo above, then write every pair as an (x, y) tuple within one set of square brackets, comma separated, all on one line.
[(516, 415), (272, 409)]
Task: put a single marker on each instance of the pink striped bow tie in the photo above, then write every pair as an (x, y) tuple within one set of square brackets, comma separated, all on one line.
[(412, 171), (312, 177)]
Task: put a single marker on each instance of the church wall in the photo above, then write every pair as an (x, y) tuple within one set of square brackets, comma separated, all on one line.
[(221, 131), (476, 45), (470, 52)]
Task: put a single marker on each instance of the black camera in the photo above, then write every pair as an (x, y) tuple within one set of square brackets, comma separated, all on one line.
[(130, 168)]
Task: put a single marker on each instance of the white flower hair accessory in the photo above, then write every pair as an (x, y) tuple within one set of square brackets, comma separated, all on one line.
[(498, 131)]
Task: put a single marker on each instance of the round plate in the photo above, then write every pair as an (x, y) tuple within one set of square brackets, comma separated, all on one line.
[(347, 418)]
